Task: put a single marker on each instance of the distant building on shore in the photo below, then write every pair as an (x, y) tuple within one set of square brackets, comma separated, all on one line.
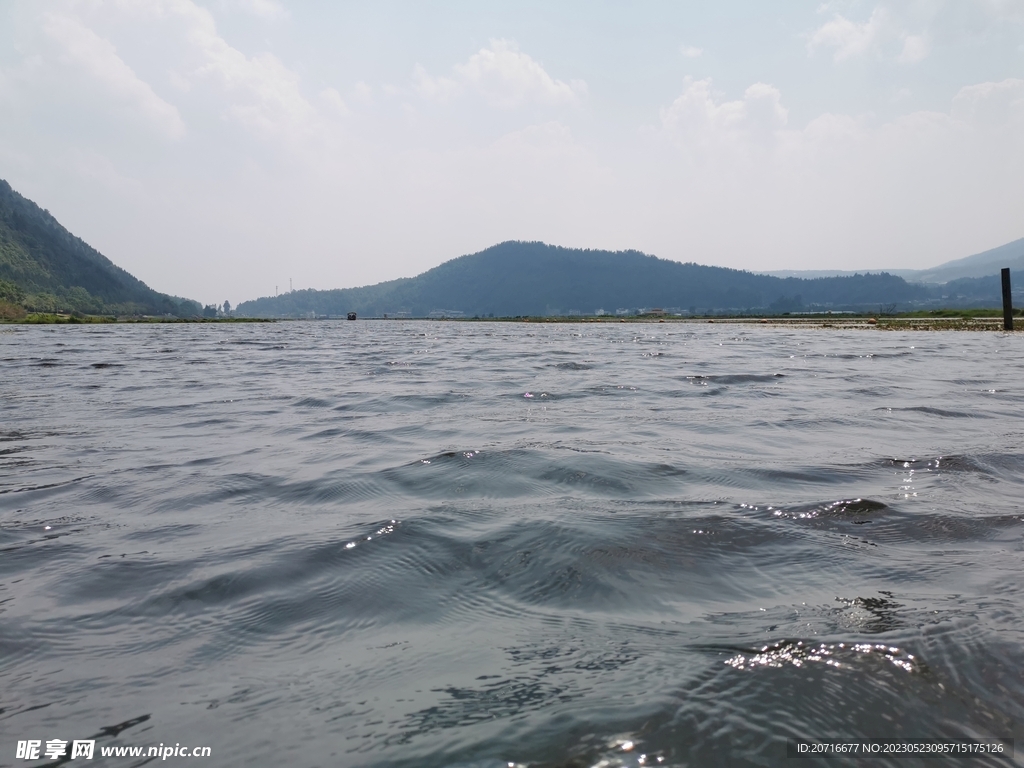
[(444, 314)]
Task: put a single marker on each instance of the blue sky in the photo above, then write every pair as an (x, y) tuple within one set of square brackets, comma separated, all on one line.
[(218, 149)]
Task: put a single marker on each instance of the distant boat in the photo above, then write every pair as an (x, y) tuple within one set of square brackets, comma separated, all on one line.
[(351, 315)]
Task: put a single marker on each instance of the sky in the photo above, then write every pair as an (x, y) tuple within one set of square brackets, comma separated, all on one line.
[(229, 149)]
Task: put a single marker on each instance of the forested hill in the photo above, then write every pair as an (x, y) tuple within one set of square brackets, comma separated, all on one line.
[(46, 268), (520, 278)]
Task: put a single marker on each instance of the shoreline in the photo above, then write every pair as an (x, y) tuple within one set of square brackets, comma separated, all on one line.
[(51, 318), (864, 322)]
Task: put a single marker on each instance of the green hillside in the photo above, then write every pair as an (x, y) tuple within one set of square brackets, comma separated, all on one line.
[(520, 278), (45, 268)]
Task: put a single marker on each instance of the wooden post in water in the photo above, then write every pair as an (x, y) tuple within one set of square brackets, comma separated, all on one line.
[(1007, 301)]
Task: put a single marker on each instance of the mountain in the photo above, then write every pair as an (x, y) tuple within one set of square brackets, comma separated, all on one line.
[(46, 268), (531, 278), (979, 265)]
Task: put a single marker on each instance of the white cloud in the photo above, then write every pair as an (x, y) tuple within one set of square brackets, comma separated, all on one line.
[(363, 92), (269, 10), (696, 120), (96, 57), (991, 104), (439, 89), (880, 34), (267, 96), (923, 184), (507, 77), (330, 98), (848, 38), (703, 120), (504, 77), (258, 92), (915, 49), (691, 51), (198, 68)]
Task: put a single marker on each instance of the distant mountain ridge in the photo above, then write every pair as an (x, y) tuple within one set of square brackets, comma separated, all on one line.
[(982, 264), (979, 265), (46, 268), (532, 278)]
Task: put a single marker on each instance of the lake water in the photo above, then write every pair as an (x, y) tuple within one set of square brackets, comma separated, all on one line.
[(475, 544)]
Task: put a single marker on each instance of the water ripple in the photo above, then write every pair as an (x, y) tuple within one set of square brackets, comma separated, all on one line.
[(420, 544)]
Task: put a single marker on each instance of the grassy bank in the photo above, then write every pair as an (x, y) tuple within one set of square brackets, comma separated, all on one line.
[(47, 318)]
